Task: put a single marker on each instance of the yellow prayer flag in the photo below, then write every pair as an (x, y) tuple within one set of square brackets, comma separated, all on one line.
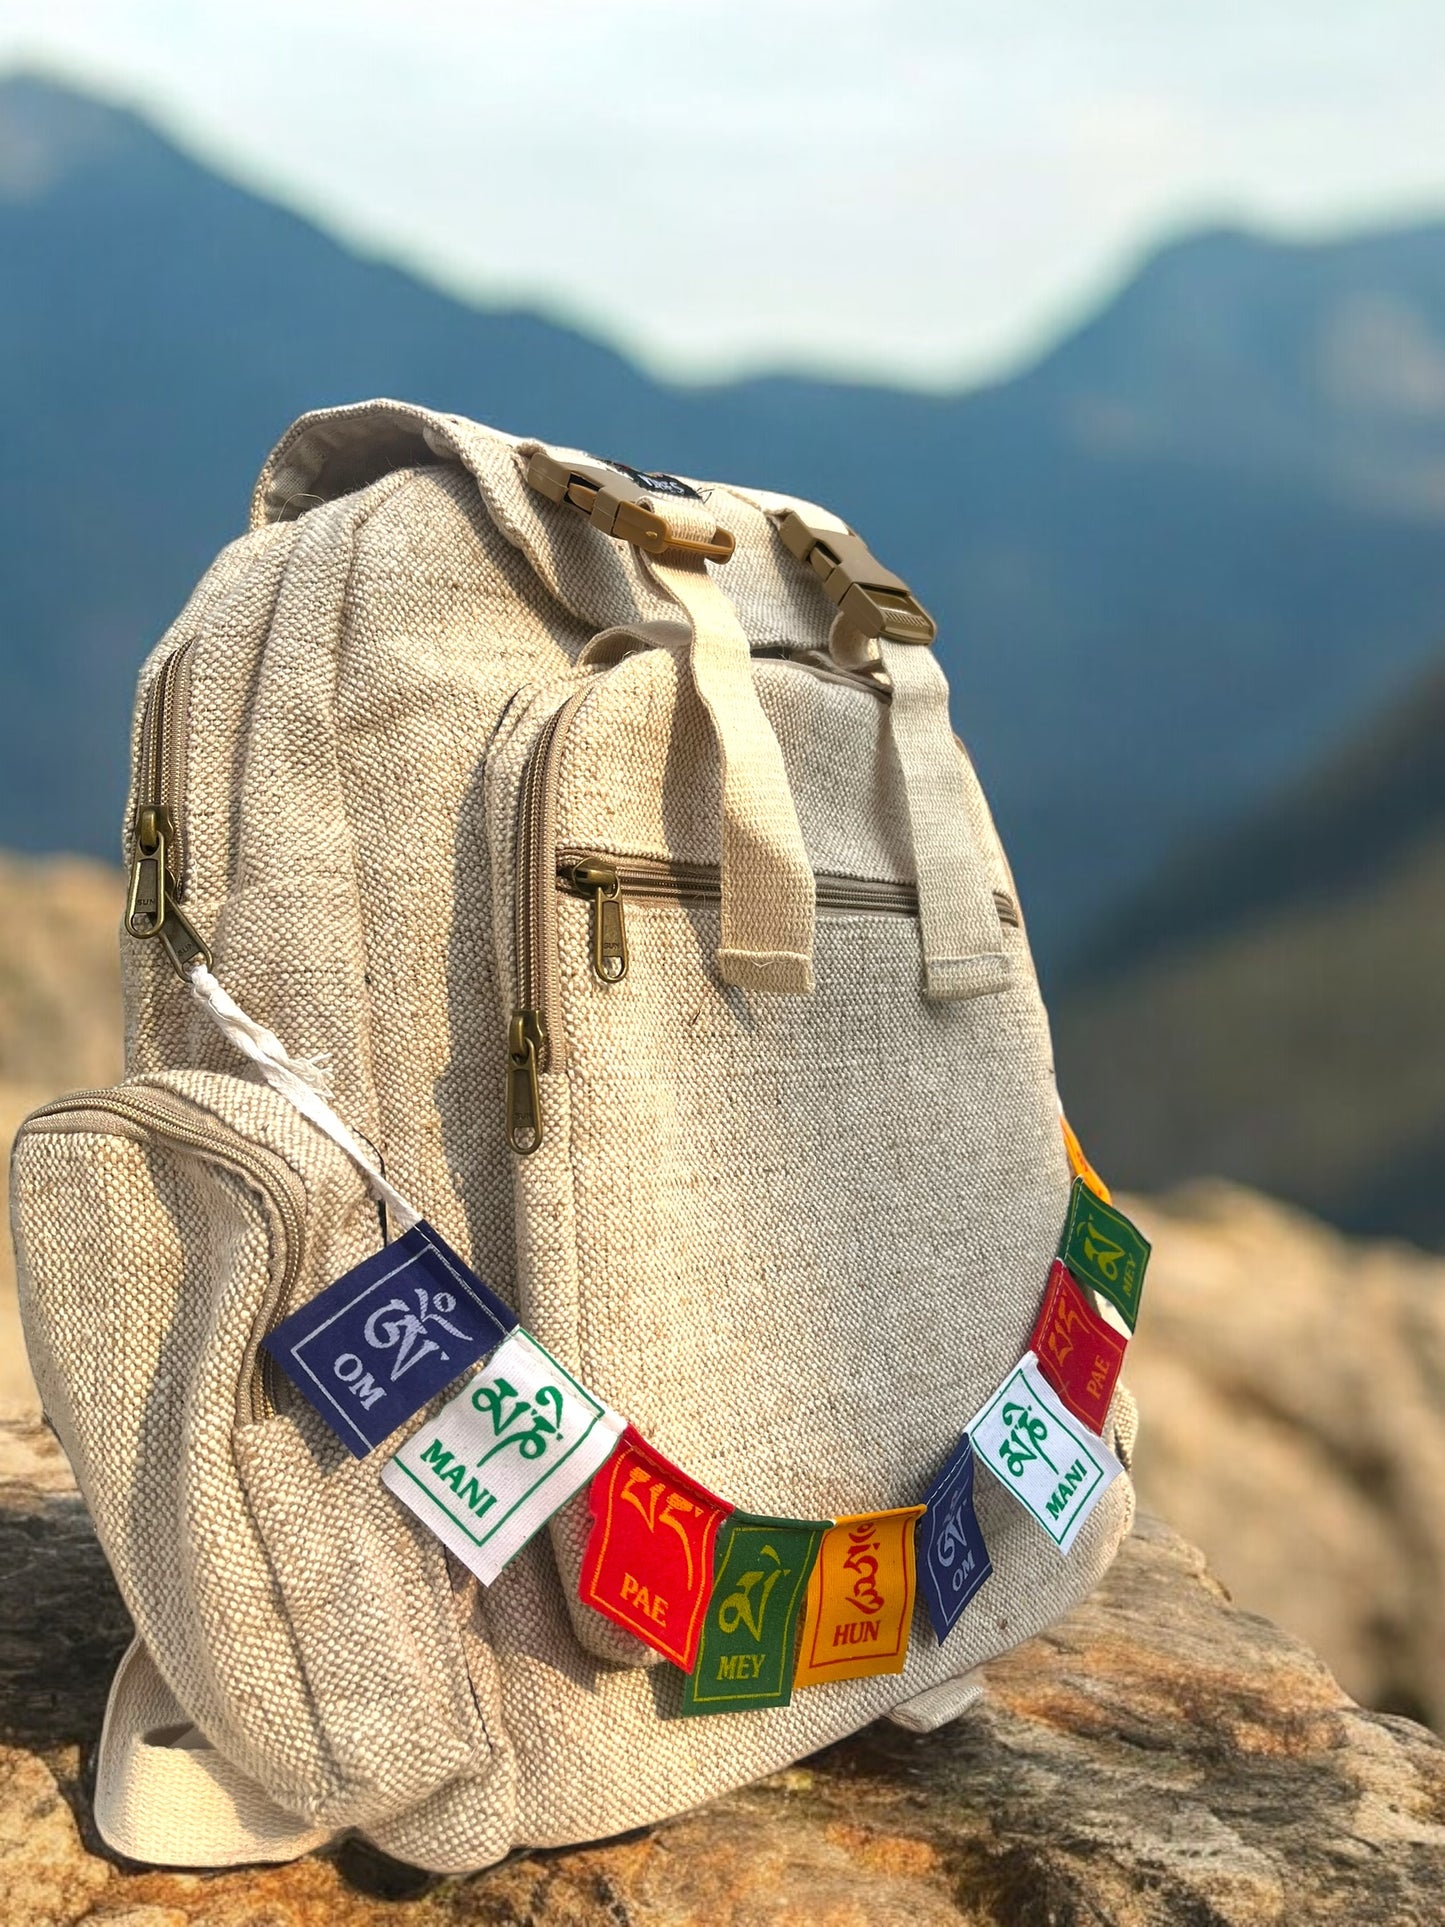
[(1080, 1165), (860, 1599)]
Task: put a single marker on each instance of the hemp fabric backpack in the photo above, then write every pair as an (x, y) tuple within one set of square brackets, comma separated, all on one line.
[(605, 839)]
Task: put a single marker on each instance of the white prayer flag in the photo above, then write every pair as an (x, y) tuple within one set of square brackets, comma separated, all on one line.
[(1051, 1462), (496, 1462)]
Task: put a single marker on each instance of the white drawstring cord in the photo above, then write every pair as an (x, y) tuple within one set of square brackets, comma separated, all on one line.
[(302, 1081)]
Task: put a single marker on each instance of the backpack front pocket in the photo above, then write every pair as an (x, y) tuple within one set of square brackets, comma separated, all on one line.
[(307, 1626)]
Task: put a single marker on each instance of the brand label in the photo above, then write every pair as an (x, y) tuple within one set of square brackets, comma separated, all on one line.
[(381, 1342), (1080, 1165), (860, 1599), (649, 1560), (1051, 1463), (1104, 1250), (652, 484), (497, 1460), (1078, 1353), (953, 1560), (745, 1655)]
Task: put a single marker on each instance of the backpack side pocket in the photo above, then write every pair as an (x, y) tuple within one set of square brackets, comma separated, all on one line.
[(297, 1614)]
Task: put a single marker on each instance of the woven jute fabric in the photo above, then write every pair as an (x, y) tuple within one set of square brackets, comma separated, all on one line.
[(795, 1238)]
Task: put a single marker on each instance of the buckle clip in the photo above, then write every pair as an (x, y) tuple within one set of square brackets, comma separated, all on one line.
[(618, 507), (872, 598)]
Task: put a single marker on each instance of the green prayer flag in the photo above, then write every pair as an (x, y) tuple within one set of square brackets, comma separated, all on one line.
[(1104, 1250), (745, 1656)]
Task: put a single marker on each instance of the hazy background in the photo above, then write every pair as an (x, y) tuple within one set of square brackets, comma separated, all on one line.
[(1119, 331)]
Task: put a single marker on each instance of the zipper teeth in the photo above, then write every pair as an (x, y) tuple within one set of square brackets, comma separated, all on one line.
[(536, 896), (158, 757), (649, 877), (270, 1172), (166, 760)]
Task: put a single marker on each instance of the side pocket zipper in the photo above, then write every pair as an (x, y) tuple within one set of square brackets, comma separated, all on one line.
[(158, 833), (151, 1113), (536, 1041)]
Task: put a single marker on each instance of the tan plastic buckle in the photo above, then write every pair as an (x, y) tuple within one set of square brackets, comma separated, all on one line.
[(872, 598), (617, 507)]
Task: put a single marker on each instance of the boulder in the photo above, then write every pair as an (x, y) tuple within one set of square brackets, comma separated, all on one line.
[(1160, 1757), (1292, 1382)]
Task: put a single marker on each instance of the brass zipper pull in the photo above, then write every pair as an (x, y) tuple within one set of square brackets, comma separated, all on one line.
[(598, 879), (150, 910), (182, 941), (524, 1099), (145, 908)]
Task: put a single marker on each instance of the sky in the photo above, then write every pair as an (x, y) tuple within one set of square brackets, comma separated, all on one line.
[(926, 191)]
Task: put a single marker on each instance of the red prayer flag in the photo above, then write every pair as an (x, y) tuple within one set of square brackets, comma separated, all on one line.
[(1079, 1354), (649, 1558)]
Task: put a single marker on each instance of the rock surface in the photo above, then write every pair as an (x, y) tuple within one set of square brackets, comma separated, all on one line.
[(1292, 1385), (1160, 1758)]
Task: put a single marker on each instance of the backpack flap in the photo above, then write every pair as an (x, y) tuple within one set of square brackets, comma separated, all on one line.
[(338, 450)]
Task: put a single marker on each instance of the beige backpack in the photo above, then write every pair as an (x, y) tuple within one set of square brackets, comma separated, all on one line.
[(582, 861)]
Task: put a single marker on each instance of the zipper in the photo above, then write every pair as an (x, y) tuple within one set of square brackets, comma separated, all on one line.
[(609, 881), (158, 837), (535, 1039), (159, 1114)]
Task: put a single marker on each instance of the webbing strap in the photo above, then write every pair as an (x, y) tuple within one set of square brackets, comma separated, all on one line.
[(767, 881), (963, 954), (163, 1795)]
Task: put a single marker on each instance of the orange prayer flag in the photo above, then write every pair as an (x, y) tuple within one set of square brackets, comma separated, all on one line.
[(1080, 1165), (860, 1599)]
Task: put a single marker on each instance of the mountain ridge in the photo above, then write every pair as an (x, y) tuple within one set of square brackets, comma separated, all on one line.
[(1152, 609), (1269, 1008)]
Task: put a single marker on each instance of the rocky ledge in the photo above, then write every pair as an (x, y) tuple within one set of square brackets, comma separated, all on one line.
[(1161, 1757)]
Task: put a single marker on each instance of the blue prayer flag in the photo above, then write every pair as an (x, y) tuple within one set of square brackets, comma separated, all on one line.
[(388, 1336), (953, 1560)]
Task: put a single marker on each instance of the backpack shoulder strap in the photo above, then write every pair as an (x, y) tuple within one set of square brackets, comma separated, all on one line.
[(165, 1796)]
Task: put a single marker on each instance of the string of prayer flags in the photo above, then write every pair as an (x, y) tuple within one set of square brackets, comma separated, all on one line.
[(1054, 1466), (860, 1599), (1103, 1249), (1079, 1353), (749, 1632), (1079, 1163), (953, 1560), (496, 1461), (719, 1593), (387, 1336), (649, 1559)]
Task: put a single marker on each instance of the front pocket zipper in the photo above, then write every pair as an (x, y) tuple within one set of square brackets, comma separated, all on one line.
[(536, 1040), (158, 833), (156, 1114)]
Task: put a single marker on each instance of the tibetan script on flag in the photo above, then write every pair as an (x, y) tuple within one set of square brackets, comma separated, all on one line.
[(384, 1339), (497, 1460), (953, 1560), (649, 1559), (1046, 1457), (1079, 1163), (860, 1599), (745, 1656), (1104, 1250), (1079, 1354)]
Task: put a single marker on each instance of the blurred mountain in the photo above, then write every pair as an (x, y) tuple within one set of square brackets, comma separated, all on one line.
[(1173, 561), (1271, 1008)]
